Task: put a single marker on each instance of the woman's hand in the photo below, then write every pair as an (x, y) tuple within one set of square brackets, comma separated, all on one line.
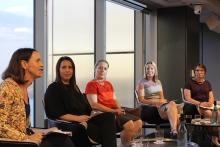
[(206, 104), (83, 118), (119, 111), (35, 137), (160, 102)]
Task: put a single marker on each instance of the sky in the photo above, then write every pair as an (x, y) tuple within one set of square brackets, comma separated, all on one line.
[(16, 31), (16, 27)]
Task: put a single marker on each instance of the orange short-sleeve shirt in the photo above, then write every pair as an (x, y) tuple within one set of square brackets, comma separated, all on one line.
[(105, 92)]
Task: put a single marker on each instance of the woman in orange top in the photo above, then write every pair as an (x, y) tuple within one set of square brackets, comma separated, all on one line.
[(101, 96)]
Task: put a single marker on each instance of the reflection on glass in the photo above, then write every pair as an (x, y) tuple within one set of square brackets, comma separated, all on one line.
[(84, 69), (121, 74), (73, 26), (119, 28), (16, 31)]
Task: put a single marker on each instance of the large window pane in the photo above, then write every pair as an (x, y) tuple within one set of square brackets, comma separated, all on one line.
[(119, 28), (73, 26), (16, 31), (84, 69), (121, 74)]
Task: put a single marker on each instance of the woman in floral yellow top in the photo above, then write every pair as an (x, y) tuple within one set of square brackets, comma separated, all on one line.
[(24, 67), (13, 122)]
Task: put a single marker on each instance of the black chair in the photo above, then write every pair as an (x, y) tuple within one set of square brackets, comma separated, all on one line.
[(60, 124), (147, 124), (15, 143)]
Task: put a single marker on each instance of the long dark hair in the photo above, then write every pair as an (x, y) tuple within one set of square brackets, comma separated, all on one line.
[(14, 69), (58, 78)]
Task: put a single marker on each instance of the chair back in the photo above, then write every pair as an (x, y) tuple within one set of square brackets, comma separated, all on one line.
[(183, 97), (136, 96)]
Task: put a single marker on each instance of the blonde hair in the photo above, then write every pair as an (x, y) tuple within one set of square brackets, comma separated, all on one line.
[(155, 78)]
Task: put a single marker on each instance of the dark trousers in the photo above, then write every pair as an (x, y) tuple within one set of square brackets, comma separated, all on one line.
[(79, 135), (190, 109), (102, 129), (57, 140), (151, 115)]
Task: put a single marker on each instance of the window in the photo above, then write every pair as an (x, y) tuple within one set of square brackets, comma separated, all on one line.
[(71, 33), (120, 51), (16, 31)]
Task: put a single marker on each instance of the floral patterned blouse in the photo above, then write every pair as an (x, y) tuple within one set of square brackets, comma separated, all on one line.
[(13, 121)]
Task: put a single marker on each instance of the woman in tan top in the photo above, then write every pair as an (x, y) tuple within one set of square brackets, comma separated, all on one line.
[(150, 92)]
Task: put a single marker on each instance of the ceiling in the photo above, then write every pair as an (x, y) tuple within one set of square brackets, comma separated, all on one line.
[(209, 10)]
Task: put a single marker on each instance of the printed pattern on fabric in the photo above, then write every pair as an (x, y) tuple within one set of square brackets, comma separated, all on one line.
[(13, 121)]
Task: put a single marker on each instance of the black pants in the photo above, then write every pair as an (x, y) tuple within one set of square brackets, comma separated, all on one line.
[(79, 134), (102, 129), (151, 115), (56, 140), (190, 109)]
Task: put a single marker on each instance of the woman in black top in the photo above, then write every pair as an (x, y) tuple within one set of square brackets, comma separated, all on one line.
[(64, 101)]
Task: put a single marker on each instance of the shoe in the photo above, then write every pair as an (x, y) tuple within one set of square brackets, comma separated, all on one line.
[(173, 134)]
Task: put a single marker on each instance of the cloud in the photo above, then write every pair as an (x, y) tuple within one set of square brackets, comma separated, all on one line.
[(19, 10), (17, 33), (22, 30)]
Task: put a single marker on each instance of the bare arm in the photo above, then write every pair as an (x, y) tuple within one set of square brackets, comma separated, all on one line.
[(92, 98), (187, 95), (211, 97), (154, 102), (93, 101), (118, 105)]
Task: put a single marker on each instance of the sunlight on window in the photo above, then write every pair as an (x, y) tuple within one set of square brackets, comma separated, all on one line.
[(16, 31), (73, 27), (121, 75), (119, 28)]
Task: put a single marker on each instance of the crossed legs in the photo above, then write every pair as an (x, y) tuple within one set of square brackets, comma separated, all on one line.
[(172, 115), (130, 130)]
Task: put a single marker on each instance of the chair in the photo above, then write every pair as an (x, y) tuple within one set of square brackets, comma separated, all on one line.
[(183, 97), (164, 124), (188, 109), (185, 101), (4, 142)]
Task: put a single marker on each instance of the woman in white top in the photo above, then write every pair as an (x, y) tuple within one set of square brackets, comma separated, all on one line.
[(150, 92)]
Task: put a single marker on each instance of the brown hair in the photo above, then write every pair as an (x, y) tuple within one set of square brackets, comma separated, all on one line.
[(14, 69), (101, 60)]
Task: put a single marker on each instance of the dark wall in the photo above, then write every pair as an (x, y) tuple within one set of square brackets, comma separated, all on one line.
[(178, 47), (211, 58)]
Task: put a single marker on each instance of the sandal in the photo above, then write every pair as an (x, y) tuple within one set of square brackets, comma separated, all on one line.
[(173, 134)]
